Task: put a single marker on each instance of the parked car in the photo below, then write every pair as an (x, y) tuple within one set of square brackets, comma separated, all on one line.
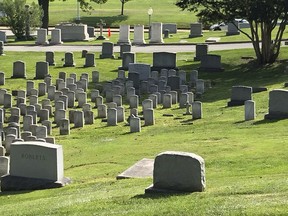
[(223, 26)]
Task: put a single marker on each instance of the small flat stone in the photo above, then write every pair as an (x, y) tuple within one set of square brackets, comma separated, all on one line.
[(141, 169), (213, 39)]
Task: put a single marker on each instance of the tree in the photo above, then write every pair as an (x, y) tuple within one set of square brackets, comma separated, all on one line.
[(84, 4), (21, 17), (263, 15), (122, 5)]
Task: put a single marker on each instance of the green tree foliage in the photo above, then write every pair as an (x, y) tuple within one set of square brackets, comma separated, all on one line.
[(21, 18), (263, 16)]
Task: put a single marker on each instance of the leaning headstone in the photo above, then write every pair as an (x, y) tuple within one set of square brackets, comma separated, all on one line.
[(156, 33), (107, 50), (195, 30), (165, 60), (239, 95), (233, 28), (278, 104), (178, 172), (211, 63), (90, 60), (19, 69), (124, 35), (138, 35), (50, 58), (249, 110), (56, 37), (42, 37), (201, 50), (69, 60), (34, 165), (42, 70)]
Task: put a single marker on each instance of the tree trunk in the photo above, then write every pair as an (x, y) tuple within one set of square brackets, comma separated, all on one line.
[(122, 7), (45, 6)]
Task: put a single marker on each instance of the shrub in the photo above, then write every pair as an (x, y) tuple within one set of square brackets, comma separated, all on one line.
[(20, 17)]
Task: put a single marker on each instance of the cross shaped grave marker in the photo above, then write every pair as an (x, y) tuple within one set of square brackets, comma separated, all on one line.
[(101, 25)]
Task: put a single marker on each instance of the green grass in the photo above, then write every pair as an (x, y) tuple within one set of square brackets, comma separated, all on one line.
[(135, 12), (246, 162)]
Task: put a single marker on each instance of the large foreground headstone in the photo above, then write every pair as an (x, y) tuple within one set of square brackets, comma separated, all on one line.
[(239, 95), (34, 165), (178, 172), (278, 104)]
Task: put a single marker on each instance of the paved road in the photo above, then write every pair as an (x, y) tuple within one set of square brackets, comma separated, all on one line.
[(136, 49)]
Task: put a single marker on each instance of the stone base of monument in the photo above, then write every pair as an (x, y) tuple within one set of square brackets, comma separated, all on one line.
[(69, 65), (275, 116), (210, 69), (102, 56), (235, 103), (15, 183), (195, 35), (153, 190), (18, 77), (232, 33), (123, 68), (101, 37), (156, 68)]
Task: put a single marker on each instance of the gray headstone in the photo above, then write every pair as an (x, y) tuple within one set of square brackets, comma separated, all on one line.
[(42, 70), (178, 171), (239, 95), (107, 50), (19, 69)]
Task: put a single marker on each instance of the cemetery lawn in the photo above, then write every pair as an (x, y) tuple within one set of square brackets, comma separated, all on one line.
[(135, 12), (246, 162)]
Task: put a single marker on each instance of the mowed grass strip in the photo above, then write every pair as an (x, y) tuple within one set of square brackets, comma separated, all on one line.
[(246, 162)]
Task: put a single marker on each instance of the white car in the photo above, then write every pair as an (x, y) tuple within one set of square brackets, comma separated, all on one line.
[(223, 26)]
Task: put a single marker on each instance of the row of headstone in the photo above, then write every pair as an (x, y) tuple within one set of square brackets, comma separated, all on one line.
[(43, 40)]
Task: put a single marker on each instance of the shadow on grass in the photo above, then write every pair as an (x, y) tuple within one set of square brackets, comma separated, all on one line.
[(158, 195), (109, 20), (248, 72), (266, 121), (12, 193)]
